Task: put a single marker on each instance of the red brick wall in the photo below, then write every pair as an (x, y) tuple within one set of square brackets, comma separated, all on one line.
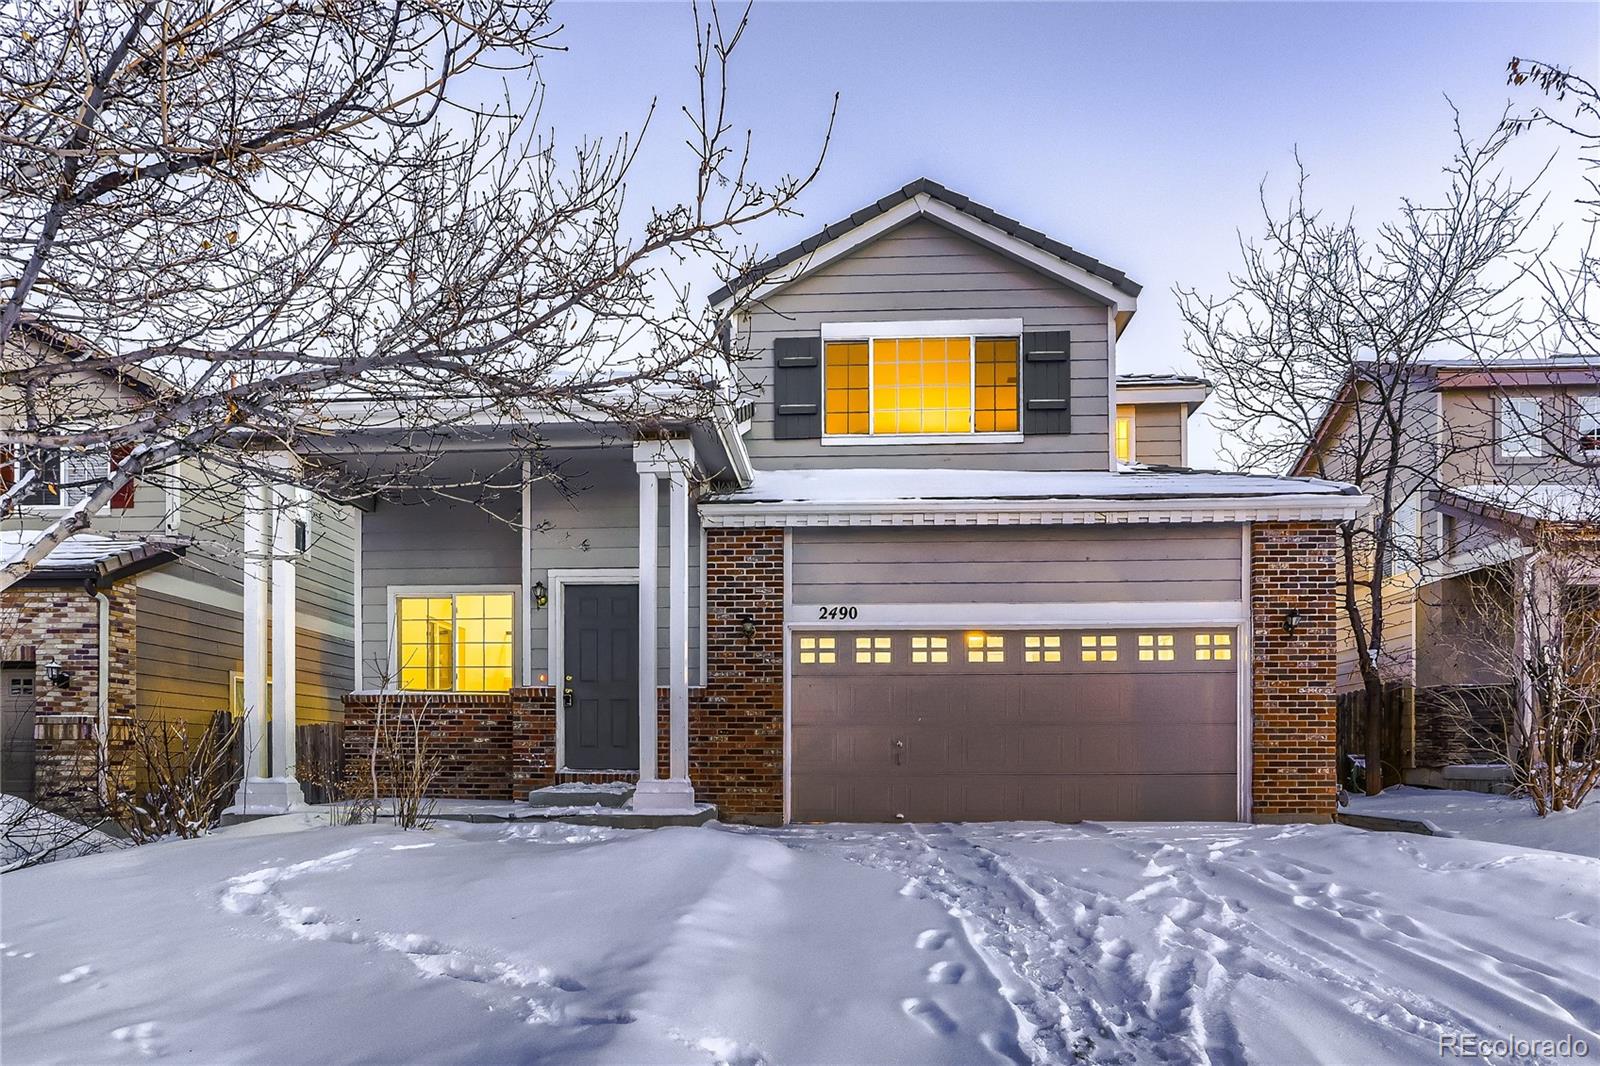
[(1294, 566), (736, 720), (490, 745)]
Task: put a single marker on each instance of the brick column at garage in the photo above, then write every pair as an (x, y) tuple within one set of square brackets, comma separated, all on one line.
[(1294, 567), (736, 719)]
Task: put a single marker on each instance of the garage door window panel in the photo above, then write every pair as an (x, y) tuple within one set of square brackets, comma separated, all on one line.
[(877, 650), (1213, 647), (986, 648)]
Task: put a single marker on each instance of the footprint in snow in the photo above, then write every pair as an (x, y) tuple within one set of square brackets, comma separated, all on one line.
[(144, 1036), (914, 890), (728, 1052), (946, 973), (930, 1014), (74, 975), (932, 939)]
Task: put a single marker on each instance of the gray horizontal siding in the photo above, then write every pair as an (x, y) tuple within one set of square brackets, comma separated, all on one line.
[(1158, 433), (925, 271), (589, 521), (1144, 564)]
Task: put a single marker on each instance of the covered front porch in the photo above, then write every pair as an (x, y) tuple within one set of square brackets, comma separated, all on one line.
[(548, 626)]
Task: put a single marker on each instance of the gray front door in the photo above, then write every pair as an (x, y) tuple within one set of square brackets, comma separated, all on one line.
[(601, 689), (16, 730)]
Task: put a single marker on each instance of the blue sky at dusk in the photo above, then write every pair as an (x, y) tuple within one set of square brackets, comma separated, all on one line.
[(1139, 133)]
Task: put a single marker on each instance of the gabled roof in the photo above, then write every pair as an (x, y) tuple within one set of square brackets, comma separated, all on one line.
[(932, 191), (1526, 505), (92, 558), (1185, 389), (73, 345)]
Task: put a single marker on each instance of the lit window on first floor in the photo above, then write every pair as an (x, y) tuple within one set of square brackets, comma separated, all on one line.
[(1209, 647), (818, 650), (1098, 648), (461, 642), (1157, 648)]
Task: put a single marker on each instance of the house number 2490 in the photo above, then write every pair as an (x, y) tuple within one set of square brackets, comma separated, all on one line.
[(836, 614)]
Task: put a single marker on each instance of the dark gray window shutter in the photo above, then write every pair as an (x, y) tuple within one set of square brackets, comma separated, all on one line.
[(797, 387), (1047, 382)]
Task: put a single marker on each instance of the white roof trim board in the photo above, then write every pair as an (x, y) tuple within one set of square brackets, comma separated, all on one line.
[(1030, 497)]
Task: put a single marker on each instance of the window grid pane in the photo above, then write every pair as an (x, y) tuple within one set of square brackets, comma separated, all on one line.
[(874, 650), (995, 385), (818, 650), (1041, 648), (1125, 434), (1098, 648), (922, 385), (930, 649), (1156, 647), (986, 648), (426, 643), (847, 393), (1213, 647), (484, 636)]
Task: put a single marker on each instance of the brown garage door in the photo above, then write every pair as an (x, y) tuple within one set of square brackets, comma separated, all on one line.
[(1060, 725)]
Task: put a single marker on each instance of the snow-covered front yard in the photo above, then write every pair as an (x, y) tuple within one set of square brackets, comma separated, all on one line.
[(941, 944), (1502, 819)]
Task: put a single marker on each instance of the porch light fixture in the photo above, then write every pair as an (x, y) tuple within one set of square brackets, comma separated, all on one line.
[(1291, 621), (541, 595), (56, 674), (747, 627)]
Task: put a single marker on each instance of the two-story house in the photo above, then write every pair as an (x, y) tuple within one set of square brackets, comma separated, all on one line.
[(1499, 450), (186, 584), (911, 580)]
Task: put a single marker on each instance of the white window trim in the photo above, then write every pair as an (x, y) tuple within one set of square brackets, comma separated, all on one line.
[(395, 592), (63, 508), (973, 329), (1523, 430), (1587, 407)]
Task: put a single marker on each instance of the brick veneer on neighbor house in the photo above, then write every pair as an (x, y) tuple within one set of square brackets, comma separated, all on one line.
[(62, 626), (1293, 567)]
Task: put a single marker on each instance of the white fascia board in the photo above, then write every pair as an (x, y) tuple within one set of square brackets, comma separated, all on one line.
[(923, 205), (1185, 394), (929, 327), (1020, 615), (1291, 507)]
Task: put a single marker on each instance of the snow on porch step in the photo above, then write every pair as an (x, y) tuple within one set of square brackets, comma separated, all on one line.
[(582, 794)]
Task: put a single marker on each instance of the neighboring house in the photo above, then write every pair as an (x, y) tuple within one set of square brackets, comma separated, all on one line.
[(1510, 442), (909, 581), (186, 612)]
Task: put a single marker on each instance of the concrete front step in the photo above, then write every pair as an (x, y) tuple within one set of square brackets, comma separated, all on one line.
[(582, 794)]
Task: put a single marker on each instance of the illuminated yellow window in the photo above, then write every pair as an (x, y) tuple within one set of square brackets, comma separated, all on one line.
[(1041, 648), (930, 649), (1125, 434), (818, 650), (922, 385), (986, 648), (874, 650), (1156, 648), (460, 643), (847, 398), (1213, 646), (1098, 648), (994, 397)]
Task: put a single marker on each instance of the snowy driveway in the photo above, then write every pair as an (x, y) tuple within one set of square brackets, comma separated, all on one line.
[(942, 944)]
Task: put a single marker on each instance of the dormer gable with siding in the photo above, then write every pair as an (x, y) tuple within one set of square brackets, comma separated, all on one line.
[(927, 330)]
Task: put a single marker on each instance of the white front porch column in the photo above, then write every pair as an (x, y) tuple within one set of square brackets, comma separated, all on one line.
[(647, 624), (269, 585), (255, 555), (672, 459)]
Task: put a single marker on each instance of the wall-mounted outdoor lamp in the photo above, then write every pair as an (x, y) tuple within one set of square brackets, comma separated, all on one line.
[(747, 627), (541, 595), (1291, 622), (56, 674)]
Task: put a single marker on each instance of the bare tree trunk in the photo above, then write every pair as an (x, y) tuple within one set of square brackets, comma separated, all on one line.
[(1373, 700)]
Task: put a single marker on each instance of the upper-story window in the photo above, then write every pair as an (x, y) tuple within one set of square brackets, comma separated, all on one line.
[(1588, 424), (62, 478), (890, 386), (1124, 428), (1520, 431)]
